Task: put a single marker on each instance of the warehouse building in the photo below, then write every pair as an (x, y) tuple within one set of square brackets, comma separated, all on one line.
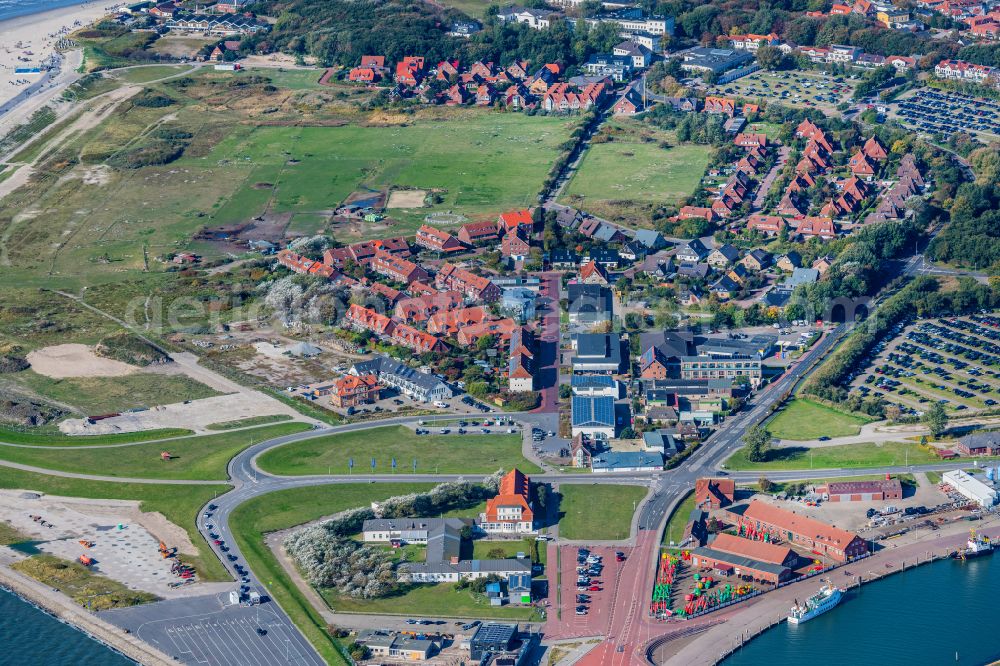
[(862, 491), (762, 520), (729, 554), (971, 488)]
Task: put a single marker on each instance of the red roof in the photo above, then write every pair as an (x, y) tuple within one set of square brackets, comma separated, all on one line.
[(795, 523), (756, 550), (369, 319), (514, 492), (717, 492), (516, 218), (351, 384)]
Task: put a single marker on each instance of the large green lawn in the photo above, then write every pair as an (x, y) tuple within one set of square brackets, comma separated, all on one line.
[(844, 456), (100, 395), (203, 457), (444, 454), (597, 512), (482, 163), (179, 504), (431, 600), (803, 420), (624, 178)]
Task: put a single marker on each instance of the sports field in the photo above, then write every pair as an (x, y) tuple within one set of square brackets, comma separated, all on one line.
[(623, 179), (442, 454)]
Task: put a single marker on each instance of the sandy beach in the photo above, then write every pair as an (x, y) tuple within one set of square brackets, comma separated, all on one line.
[(37, 35)]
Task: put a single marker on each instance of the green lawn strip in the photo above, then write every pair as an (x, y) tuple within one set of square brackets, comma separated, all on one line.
[(441, 454), (430, 600), (178, 503), (79, 583), (678, 520), (245, 423), (579, 518), (802, 419), (147, 74), (845, 456), (287, 508), (481, 548), (9, 534), (100, 395), (193, 458), (56, 438)]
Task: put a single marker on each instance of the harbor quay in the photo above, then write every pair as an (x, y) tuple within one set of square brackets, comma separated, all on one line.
[(707, 640)]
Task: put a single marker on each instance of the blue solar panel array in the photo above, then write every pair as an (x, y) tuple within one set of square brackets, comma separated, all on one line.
[(601, 381), (593, 410)]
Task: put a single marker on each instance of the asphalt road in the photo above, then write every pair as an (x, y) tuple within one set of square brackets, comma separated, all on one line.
[(669, 488)]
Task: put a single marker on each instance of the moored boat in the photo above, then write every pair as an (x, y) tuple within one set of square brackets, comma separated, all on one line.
[(828, 596), (976, 546)]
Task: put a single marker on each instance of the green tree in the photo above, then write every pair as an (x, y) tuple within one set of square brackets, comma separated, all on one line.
[(936, 419), (765, 485), (770, 57), (758, 444), (486, 342)]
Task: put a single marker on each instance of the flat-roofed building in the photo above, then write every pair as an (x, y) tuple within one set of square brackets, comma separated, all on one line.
[(971, 488)]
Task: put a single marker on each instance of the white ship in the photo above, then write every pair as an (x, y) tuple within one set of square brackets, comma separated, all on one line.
[(828, 596)]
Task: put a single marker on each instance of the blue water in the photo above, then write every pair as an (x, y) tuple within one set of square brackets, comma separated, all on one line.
[(12, 8), (924, 616), (30, 637)]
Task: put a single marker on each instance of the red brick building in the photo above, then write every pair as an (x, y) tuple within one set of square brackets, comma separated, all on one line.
[(366, 319), (714, 493), (352, 390), (478, 233), (397, 268), (745, 557), (760, 518), (862, 491), (437, 240), (472, 286)]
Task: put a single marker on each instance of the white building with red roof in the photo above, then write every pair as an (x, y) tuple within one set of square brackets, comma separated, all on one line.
[(510, 512)]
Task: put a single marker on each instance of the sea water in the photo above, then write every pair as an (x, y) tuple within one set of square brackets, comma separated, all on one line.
[(32, 637), (12, 8), (932, 615)]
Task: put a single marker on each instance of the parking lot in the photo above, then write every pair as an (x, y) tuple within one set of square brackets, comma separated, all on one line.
[(590, 615), (205, 630), (792, 88), (931, 111), (954, 361)]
